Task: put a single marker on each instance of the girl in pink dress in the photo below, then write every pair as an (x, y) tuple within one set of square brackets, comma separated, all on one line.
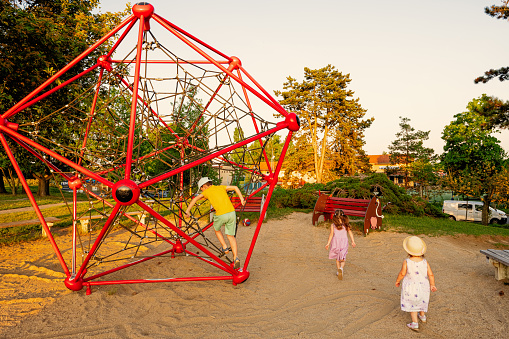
[(338, 240), (418, 281)]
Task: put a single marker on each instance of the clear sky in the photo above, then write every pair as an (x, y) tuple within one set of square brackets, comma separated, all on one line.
[(415, 59)]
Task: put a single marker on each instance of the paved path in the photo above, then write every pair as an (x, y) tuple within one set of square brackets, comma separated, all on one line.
[(28, 209)]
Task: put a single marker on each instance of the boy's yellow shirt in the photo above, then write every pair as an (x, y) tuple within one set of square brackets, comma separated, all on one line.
[(219, 199)]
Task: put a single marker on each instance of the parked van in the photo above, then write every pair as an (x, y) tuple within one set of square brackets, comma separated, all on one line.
[(471, 211)]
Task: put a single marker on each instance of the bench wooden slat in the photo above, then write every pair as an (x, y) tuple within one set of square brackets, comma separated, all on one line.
[(346, 208), (346, 200), (253, 204), (28, 222), (499, 255)]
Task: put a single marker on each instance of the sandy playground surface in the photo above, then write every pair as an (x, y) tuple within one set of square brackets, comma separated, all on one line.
[(292, 292)]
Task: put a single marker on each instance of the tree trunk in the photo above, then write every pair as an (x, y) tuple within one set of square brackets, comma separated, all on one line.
[(43, 185), (12, 181), (486, 206), (2, 183), (322, 156)]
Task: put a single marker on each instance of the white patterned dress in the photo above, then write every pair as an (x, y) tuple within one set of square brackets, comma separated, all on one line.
[(415, 288)]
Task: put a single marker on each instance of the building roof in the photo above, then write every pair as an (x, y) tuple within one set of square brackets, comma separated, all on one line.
[(379, 159)]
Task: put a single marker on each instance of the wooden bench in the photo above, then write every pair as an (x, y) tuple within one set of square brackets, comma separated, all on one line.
[(85, 220), (499, 259), (50, 221), (253, 204), (370, 210)]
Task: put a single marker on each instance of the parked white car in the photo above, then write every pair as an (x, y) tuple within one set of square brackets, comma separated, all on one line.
[(471, 211)]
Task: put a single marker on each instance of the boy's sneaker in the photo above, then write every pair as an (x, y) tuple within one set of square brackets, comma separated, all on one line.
[(413, 326), (422, 317)]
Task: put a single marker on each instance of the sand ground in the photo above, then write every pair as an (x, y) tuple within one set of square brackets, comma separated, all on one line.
[(292, 292)]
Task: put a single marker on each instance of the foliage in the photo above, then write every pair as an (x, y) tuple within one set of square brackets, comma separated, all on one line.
[(37, 38), (495, 111), (394, 198), (472, 157), (408, 151), (330, 140), (498, 12), (498, 112)]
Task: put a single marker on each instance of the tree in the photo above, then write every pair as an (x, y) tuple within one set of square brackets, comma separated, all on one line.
[(496, 111), (408, 148), (472, 157), (331, 121), (37, 38)]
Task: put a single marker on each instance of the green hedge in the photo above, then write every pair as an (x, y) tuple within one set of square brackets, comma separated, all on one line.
[(394, 198)]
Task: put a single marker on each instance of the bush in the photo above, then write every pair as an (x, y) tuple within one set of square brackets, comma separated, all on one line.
[(394, 198)]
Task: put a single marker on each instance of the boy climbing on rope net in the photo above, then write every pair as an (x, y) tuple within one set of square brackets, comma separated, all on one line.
[(225, 213)]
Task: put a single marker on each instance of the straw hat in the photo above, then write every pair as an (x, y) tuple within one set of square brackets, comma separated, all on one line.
[(414, 246)]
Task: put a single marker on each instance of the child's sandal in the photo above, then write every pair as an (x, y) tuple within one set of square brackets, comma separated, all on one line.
[(225, 250), (236, 263)]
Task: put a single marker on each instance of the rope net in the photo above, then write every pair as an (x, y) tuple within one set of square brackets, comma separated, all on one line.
[(161, 122)]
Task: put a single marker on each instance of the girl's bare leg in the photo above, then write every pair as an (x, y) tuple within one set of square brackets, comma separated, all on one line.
[(413, 315)]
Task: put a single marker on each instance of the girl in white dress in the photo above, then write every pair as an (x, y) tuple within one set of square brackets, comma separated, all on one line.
[(418, 280)]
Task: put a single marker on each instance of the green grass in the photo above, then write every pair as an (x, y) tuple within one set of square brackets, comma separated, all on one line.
[(437, 226)]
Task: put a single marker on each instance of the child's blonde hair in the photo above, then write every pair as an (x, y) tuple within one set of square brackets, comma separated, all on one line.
[(341, 220)]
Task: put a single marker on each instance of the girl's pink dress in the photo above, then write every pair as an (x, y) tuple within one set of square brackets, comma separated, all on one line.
[(339, 244)]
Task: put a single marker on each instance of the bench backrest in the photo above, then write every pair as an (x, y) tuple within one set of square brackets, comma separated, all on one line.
[(333, 203), (329, 204), (253, 204)]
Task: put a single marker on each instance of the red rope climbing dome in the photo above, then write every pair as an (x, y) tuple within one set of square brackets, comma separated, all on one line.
[(157, 114)]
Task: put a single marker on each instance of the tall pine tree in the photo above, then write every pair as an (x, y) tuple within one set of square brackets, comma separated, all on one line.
[(408, 148)]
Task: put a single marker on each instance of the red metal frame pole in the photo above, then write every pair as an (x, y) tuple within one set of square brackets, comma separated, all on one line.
[(91, 116), (121, 38), (126, 84), (74, 229), (278, 107), (51, 91), (56, 156), (134, 103), (261, 88), (30, 196), (125, 266), (38, 156), (97, 241), (147, 183), (269, 194), (253, 119), (193, 38), (58, 74), (184, 235), (140, 281), (183, 62)]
